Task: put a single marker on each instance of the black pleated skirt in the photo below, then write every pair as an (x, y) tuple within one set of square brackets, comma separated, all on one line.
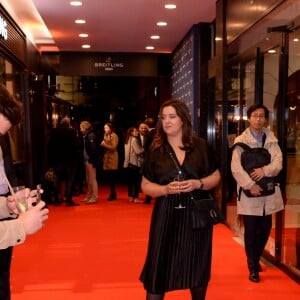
[(178, 256)]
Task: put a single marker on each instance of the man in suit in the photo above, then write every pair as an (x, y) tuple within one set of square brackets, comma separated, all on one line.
[(148, 137)]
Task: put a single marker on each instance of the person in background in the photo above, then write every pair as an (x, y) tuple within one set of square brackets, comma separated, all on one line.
[(256, 211), (133, 163), (150, 132), (178, 257), (110, 158), (62, 157), (147, 142), (143, 130), (15, 226), (91, 159), (79, 180)]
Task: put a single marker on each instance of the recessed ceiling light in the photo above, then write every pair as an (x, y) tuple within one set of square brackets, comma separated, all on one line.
[(76, 3), (149, 48), (170, 6), (80, 21), (155, 37), (83, 35), (272, 51), (161, 23), (86, 46)]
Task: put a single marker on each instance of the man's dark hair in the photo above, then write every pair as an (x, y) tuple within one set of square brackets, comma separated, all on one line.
[(10, 108), (254, 107)]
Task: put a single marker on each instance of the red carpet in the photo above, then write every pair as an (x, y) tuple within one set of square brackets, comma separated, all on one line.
[(97, 251)]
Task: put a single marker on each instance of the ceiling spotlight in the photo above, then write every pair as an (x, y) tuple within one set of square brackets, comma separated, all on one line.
[(272, 51), (155, 37), (170, 6), (86, 46), (76, 3), (150, 48), (83, 35), (80, 21), (161, 23)]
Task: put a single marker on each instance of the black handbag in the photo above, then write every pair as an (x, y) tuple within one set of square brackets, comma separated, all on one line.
[(252, 158), (205, 212), (134, 167)]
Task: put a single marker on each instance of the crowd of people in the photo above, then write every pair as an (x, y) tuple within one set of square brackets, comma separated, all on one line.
[(70, 149)]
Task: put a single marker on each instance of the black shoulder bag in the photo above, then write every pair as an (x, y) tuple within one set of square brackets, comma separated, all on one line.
[(252, 158), (205, 211)]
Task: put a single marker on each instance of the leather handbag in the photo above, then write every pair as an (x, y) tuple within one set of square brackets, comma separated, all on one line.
[(134, 167), (205, 212)]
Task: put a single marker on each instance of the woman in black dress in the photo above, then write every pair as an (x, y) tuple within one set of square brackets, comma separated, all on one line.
[(178, 257)]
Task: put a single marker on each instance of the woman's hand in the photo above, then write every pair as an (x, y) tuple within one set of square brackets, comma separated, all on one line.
[(184, 186)]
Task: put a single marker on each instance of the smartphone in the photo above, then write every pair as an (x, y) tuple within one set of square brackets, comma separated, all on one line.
[(38, 193)]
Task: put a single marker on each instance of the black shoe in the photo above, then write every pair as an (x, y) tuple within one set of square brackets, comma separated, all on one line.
[(72, 203), (111, 198), (254, 277)]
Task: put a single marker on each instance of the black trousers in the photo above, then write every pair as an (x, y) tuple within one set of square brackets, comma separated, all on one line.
[(257, 231), (134, 182), (5, 262), (111, 177), (65, 174)]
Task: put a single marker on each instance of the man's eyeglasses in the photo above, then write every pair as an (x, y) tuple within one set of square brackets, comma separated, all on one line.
[(261, 117)]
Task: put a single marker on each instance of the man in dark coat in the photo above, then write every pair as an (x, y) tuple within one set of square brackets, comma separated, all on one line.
[(62, 157)]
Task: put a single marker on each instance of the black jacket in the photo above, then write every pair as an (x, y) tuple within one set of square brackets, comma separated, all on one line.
[(92, 148)]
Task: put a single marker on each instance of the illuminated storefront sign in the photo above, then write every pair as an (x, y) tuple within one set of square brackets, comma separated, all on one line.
[(12, 39), (108, 65), (3, 28)]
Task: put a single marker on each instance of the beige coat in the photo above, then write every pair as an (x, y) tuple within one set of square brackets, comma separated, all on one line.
[(256, 205), (12, 232), (133, 152), (110, 156)]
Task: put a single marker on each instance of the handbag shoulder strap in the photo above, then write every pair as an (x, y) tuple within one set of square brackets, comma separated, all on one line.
[(172, 155)]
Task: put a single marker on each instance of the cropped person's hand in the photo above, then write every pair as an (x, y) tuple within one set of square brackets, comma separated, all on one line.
[(12, 199), (33, 219), (30, 199)]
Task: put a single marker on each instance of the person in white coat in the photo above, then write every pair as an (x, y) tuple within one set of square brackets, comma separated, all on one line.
[(133, 163), (257, 211)]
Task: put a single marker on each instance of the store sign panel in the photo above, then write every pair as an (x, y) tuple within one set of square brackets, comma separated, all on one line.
[(12, 39), (109, 65), (3, 28)]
